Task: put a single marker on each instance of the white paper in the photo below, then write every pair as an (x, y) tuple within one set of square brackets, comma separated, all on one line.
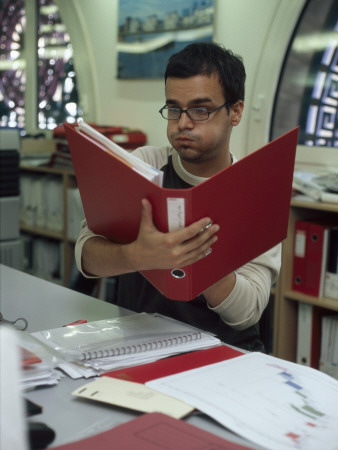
[(12, 415), (272, 402)]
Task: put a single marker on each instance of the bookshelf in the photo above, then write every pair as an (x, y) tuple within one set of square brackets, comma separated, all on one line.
[(60, 237), (287, 300)]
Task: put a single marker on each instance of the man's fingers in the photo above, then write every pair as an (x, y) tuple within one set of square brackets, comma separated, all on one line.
[(147, 213)]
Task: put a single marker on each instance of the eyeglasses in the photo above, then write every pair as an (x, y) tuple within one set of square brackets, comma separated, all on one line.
[(196, 114)]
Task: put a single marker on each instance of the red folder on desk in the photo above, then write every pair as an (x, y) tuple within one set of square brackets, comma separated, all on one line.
[(175, 364), (153, 431), (250, 201)]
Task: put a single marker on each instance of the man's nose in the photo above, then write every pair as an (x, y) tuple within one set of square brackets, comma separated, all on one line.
[(184, 121)]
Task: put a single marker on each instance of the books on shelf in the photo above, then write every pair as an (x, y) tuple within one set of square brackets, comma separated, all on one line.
[(112, 187), (41, 201), (315, 258), (109, 344), (309, 334), (317, 338), (43, 258), (75, 213), (328, 362), (331, 274)]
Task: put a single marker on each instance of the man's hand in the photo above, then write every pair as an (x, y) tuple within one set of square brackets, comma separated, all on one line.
[(156, 250)]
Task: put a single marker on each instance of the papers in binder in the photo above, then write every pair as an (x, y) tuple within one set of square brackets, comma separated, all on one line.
[(122, 342), (145, 169)]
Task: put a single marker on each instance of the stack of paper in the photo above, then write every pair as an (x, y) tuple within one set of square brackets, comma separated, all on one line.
[(39, 375), (37, 363), (317, 183), (274, 403), (92, 348)]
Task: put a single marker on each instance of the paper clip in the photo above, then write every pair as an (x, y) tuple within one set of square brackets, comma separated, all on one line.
[(15, 322)]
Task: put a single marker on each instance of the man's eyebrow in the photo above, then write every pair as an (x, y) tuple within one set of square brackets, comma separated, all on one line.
[(195, 101)]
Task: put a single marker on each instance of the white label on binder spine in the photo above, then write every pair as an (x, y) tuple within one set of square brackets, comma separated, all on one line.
[(176, 213), (300, 244)]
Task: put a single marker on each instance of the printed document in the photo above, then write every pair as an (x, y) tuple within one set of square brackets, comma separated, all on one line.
[(274, 403)]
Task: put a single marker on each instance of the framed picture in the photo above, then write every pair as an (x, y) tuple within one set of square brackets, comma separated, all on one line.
[(151, 30)]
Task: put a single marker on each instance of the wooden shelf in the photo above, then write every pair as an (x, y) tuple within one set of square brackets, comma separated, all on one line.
[(68, 181), (318, 206), (323, 302), (42, 232), (286, 299)]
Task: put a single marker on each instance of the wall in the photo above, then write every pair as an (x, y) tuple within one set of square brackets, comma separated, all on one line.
[(258, 30)]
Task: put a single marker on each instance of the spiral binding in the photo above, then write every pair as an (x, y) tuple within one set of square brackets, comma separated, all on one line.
[(141, 347)]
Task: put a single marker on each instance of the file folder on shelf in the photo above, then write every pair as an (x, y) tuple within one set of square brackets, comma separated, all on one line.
[(250, 201), (310, 257)]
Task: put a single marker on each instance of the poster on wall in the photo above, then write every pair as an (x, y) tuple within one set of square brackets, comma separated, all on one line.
[(150, 31)]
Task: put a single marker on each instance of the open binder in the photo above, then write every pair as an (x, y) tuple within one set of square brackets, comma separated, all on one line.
[(250, 200)]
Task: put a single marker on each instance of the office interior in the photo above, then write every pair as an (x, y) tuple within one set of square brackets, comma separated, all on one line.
[(265, 34), (262, 32)]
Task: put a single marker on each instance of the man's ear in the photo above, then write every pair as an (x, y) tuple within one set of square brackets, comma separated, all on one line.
[(236, 112)]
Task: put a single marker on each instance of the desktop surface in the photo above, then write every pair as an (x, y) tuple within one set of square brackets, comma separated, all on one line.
[(46, 305)]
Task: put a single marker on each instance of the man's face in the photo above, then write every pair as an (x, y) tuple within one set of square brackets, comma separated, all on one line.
[(202, 145)]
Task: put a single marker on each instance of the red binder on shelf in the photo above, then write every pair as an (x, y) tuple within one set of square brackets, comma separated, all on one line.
[(250, 200), (317, 247), (299, 255), (310, 256), (175, 364), (153, 431)]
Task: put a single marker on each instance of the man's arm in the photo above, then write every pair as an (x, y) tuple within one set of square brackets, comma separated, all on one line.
[(250, 290), (151, 250)]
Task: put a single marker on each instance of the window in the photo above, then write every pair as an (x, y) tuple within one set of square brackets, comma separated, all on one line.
[(53, 75), (12, 66), (308, 88)]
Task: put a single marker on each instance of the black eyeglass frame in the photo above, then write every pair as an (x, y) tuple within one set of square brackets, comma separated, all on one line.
[(186, 111)]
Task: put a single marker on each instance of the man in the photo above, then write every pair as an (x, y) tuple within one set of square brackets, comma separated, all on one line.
[(204, 88)]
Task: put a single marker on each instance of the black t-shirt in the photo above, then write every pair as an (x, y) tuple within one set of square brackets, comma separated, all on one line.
[(136, 293)]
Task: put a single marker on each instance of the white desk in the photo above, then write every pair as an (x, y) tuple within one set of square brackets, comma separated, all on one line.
[(46, 305)]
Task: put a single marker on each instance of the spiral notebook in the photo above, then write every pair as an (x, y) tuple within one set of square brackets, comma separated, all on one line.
[(125, 341)]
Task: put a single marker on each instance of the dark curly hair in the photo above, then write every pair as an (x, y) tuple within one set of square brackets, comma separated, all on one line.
[(207, 58)]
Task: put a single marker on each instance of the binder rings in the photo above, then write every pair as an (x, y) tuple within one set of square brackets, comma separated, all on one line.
[(250, 201)]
